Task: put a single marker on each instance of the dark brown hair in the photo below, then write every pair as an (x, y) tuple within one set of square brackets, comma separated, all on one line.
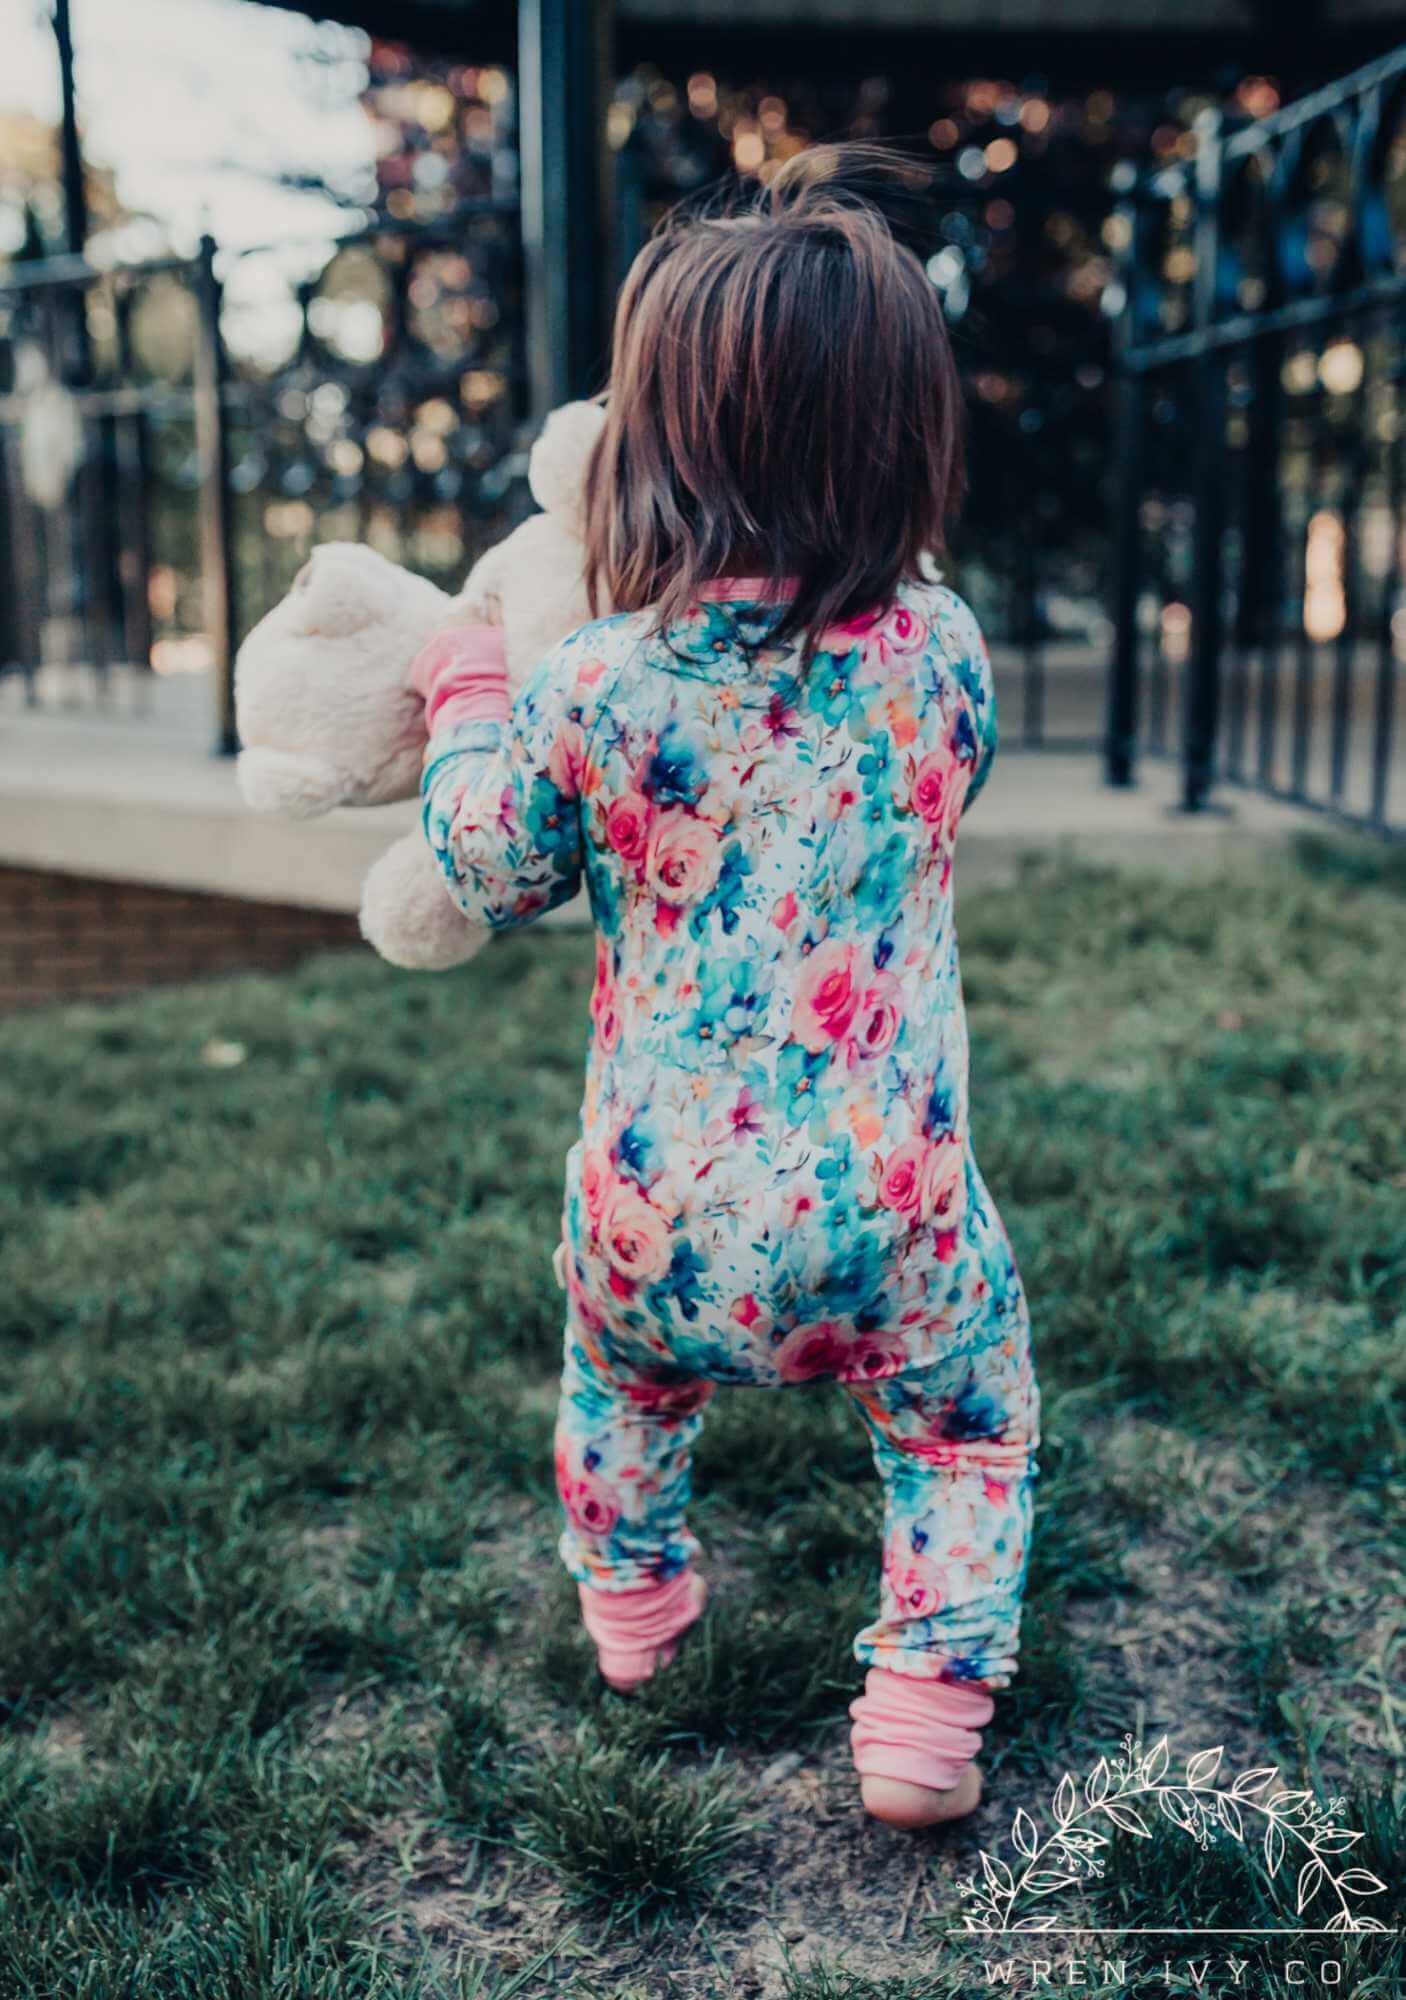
[(782, 403)]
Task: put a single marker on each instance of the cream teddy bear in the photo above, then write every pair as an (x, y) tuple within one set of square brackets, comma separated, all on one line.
[(326, 713)]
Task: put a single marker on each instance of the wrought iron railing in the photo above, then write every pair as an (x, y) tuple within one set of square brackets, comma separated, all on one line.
[(158, 493), (1261, 540), (90, 435)]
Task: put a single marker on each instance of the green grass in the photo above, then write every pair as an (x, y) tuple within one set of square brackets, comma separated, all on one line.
[(293, 1695), (630, 1837)]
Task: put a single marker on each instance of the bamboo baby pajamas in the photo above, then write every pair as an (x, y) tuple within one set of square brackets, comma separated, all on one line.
[(774, 1182)]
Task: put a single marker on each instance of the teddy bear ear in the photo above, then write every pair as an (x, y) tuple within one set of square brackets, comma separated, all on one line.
[(556, 466), (342, 588)]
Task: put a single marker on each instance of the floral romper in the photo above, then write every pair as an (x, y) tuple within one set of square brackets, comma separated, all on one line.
[(774, 1182)]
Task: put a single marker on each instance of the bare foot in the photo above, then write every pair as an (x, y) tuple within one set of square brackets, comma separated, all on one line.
[(626, 1682), (915, 1806)]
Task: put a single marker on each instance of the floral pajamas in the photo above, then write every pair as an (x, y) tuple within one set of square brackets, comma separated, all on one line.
[(774, 1182)]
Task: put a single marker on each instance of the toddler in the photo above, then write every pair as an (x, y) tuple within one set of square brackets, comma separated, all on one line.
[(757, 766)]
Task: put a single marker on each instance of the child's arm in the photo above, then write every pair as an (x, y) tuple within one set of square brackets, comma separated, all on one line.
[(966, 649), (501, 781)]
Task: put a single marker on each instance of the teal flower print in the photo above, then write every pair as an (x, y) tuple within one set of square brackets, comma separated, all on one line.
[(674, 773), (799, 1075), (880, 892), (732, 996), (551, 821), (728, 893)]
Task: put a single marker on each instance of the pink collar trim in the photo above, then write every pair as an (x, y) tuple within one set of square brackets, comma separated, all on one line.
[(752, 589)]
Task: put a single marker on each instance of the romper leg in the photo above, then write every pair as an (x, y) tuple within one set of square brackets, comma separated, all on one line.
[(954, 1445), (624, 1438)]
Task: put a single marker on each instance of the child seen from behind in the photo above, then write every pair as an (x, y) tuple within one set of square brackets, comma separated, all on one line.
[(757, 767)]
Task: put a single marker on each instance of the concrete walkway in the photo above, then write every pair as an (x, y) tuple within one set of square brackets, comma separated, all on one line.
[(136, 796)]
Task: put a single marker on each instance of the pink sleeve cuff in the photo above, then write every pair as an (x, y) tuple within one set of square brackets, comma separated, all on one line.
[(463, 675), (636, 1630), (923, 1731)]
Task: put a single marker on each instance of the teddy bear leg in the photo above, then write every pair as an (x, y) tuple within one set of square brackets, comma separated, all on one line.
[(407, 914)]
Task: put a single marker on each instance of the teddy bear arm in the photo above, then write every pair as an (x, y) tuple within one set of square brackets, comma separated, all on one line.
[(294, 783)]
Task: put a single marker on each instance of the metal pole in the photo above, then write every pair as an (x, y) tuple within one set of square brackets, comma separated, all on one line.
[(563, 73), (1202, 712), (1120, 738), (75, 198), (212, 452)]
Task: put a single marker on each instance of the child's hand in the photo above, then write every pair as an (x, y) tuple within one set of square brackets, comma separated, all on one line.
[(452, 638), (460, 672)]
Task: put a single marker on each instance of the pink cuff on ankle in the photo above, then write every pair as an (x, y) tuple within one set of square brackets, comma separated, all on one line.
[(632, 1628), (463, 675), (924, 1732)]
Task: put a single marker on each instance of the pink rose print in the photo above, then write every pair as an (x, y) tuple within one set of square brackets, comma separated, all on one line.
[(942, 1181), (604, 1012), (591, 1506), (930, 786), (636, 1237), (595, 1181), (826, 996), (877, 1020), (784, 910), (881, 634), (958, 782), (669, 1399), (682, 856), (566, 762), (919, 1587), (608, 1026), (627, 825), (822, 1349), (922, 1180), (903, 631), (859, 627), (876, 1355), (901, 1181)]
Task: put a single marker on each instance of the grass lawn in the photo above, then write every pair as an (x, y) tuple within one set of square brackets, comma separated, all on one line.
[(295, 1703)]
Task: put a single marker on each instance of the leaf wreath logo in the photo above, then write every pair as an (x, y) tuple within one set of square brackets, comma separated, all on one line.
[(1292, 1826)]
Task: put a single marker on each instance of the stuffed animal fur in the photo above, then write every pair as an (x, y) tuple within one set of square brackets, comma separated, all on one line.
[(326, 713)]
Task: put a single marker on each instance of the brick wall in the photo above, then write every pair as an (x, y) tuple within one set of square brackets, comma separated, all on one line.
[(65, 938)]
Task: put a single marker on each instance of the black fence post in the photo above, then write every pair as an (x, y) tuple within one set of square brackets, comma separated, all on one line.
[(563, 70), (1120, 739), (1203, 682), (75, 194), (212, 453)]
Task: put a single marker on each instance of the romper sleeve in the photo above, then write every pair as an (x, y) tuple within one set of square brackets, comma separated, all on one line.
[(502, 799), (971, 664)]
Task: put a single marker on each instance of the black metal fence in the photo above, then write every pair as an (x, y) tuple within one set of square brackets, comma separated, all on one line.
[(156, 498), (161, 481), (92, 428), (1261, 592), (158, 493)]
